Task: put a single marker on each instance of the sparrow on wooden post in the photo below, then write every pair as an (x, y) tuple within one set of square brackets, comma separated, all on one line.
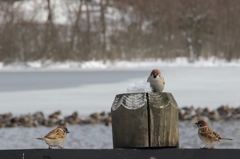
[(208, 136), (156, 81), (56, 137)]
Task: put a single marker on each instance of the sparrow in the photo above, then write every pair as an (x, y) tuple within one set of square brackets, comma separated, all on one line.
[(156, 81), (207, 135), (56, 137)]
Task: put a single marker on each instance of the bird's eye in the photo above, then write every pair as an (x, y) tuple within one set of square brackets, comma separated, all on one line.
[(200, 125)]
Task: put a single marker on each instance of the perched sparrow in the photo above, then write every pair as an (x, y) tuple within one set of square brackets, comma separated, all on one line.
[(207, 135), (56, 137), (156, 81)]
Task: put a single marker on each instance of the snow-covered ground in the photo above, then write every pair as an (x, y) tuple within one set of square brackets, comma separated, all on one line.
[(149, 63)]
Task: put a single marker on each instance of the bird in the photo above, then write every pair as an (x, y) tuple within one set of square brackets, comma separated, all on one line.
[(208, 136), (156, 81), (56, 137)]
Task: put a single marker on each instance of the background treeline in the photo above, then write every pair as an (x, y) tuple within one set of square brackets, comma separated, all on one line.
[(120, 29)]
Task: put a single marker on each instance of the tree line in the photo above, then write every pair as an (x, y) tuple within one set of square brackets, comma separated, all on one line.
[(120, 30)]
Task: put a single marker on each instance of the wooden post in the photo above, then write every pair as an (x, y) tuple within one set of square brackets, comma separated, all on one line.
[(144, 120), (130, 120), (163, 120)]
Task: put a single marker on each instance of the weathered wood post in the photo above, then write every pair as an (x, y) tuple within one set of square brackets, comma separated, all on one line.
[(144, 120)]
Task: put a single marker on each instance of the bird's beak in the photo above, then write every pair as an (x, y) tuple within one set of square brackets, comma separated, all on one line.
[(68, 132), (196, 123)]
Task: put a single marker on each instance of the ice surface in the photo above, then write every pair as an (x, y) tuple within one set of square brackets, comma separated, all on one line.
[(100, 136), (94, 91), (80, 137)]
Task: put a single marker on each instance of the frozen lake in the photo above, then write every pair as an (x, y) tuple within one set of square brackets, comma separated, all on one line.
[(100, 136), (94, 90)]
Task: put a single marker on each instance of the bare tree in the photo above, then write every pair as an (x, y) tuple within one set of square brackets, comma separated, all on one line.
[(143, 29)]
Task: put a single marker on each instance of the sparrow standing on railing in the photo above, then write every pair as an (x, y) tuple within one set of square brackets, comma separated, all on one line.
[(207, 135), (56, 137)]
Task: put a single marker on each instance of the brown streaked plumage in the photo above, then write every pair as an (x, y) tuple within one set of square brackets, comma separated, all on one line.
[(207, 135), (56, 137), (156, 81)]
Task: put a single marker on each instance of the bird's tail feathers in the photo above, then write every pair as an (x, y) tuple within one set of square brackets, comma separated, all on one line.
[(226, 139)]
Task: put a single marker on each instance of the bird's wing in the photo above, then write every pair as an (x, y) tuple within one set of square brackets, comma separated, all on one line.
[(209, 134), (55, 134), (148, 79), (163, 80)]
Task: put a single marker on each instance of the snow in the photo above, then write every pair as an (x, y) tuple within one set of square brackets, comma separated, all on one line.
[(63, 11), (141, 86), (1, 65), (120, 64), (37, 10), (93, 64), (130, 101)]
